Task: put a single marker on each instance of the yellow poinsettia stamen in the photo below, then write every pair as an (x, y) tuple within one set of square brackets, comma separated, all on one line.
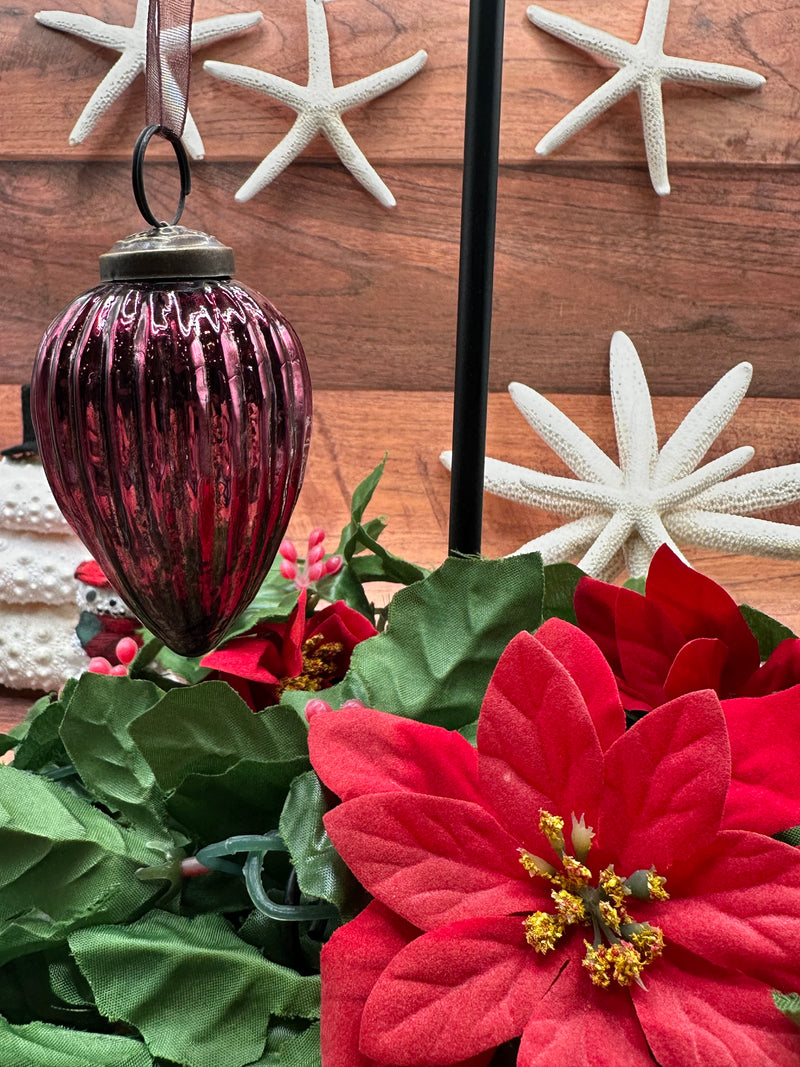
[(648, 941), (552, 826), (620, 963), (535, 864), (542, 931), (570, 908), (655, 884), (574, 871), (613, 886), (631, 945)]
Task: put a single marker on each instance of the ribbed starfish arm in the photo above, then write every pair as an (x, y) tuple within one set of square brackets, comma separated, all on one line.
[(756, 491), (90, 29), (568, 441), (655, 26), (595, 104), (637, 440), (696, 72), (285, 92), (688, 487), (356, 162), (545, 490), (608, 543), (127, 67), (374, 85), (701, 426), (192, 141), (651, 104), (207, 31), (567, 541), (735, 533), (302, 133), (588, 39)]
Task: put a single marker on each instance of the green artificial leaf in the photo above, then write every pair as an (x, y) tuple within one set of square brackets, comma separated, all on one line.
[(42, 747), (64, 865), (33, 712), (638, 585), (789, 1004), (41, 1044), (246, 797), (445, 636), (291, 1049), (768, 631), (222, 991), (47, 987), (379, 565), (791, 836), (321, 872), (96, 734), (470, 731), (560, 582), (206, 728)]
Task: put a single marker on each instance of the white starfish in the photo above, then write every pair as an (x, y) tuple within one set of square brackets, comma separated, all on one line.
[(131, 41), (622, 513), (642, 67), (319, 106)]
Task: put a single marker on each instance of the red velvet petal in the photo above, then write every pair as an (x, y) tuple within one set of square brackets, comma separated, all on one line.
[(698, 665), (433, 860), (781, 671), (244, 657), (361, 751), (537, 746), (697, 1014), (292, 650), (456, 992), (590, 672), (347, 623), (665, 785), (739, 907), (648, 642), (351, 963), (579, 1025), (595, 606), (765, 741), (701, 608)]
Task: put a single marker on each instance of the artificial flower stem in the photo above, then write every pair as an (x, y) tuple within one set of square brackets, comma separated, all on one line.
[(281, 912)]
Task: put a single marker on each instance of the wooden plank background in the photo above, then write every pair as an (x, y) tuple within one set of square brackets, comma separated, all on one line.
[(700, 279)]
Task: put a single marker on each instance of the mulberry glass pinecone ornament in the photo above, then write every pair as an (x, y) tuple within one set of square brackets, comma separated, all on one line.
[(172, 407)]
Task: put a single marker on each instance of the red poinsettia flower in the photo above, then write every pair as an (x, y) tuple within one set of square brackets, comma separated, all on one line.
[(686, 633), (302, 653), (571, 881)]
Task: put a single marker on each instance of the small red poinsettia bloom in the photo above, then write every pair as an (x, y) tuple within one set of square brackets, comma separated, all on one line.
[(686, 633), (568, 881), (302, 653)]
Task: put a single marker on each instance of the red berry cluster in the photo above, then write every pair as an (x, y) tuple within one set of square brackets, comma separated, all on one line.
[(315, 566)]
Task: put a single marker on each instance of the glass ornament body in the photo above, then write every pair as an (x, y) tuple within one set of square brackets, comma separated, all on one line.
[(173, 418)]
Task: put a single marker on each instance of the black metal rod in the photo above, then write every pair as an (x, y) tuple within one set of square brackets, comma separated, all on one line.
[(476, 270)]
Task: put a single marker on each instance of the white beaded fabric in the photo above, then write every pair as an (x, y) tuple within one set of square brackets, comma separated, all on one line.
[(38, 556)]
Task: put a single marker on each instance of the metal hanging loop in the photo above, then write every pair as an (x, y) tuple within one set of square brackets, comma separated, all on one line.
[(137, 176)]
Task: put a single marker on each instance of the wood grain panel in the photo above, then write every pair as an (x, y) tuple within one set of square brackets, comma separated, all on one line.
[(700, 280), (54, 75), (351, 431)]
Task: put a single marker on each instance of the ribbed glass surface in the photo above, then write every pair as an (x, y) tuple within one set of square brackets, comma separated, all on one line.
[(173, 422)]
